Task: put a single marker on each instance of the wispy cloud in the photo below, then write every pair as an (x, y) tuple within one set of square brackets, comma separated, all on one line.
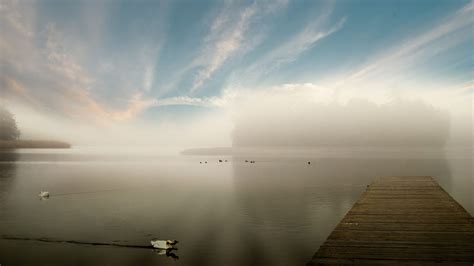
[(405, 69), (228, 37), (48, 67), (46, 77), (63, 64), (234, 97), (151, 52), (315, 30), (409, 53), (301, 42), (186, 100), (148, 78), (224, 100), (224, 43), (305, 40)]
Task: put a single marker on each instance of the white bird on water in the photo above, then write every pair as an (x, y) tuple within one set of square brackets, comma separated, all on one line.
[(43, 194), (163, 244)]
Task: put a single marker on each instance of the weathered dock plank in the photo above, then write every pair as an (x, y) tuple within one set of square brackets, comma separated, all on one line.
[(401, 221)]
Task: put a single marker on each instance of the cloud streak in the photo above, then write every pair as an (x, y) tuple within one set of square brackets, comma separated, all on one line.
[(289, 51), (40, 71), (110, 70), (228, 37), (303, 41), (223, 43), (410, 52)]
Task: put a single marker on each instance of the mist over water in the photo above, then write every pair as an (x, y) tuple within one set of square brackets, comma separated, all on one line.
[(108, 201), (295, 121), (276, 211), (304, 103)]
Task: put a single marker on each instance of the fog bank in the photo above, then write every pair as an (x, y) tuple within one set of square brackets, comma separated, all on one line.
[(304, 116), (292, 121)]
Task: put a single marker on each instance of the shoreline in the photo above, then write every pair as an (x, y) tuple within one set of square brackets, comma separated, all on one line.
[(33, 144), (269, 149)]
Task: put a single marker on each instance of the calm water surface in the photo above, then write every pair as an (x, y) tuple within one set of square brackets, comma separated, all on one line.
[(274, 212)]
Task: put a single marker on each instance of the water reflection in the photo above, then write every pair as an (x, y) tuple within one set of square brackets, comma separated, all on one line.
[(8, 155), (289, 206), (171, 253), (7, 172), (276, 211)]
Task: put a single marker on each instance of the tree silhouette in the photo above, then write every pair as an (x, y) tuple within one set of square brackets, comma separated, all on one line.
[(8, 128)]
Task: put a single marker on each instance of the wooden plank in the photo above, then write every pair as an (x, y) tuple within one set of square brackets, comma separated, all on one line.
[(356, 261), (415, 236), (398, 244), (401, 220), (438, 227), (382, 211), (403, 253), (416, 219)]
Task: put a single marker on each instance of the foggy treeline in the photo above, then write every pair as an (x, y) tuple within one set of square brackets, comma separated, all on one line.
[(356, 123), (8, 127)]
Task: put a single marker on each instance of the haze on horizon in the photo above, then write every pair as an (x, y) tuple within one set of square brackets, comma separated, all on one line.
[(243, 73)]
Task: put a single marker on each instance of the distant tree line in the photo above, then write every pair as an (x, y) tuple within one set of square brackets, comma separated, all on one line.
[(8, 127), (296, 122)]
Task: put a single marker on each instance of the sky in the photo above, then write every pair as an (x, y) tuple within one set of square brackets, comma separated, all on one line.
[(183, 71)]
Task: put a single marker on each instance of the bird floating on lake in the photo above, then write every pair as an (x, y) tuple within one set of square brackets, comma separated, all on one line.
[(43, 194), (163, 244), (309, 162)]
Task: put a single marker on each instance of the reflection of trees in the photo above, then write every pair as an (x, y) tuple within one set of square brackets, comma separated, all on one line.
[(8, 156), (7, 172), (302, 203), (265, 188)]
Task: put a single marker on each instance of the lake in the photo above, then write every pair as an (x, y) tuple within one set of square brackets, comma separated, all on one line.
[(276, 211)]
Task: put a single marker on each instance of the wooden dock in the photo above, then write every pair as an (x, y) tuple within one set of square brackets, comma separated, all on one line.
[(401, 221)]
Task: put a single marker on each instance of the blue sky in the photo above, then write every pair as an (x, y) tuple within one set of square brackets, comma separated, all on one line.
[(122, 61)]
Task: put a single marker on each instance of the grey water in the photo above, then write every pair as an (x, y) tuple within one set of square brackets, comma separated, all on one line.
[(276, 211)]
